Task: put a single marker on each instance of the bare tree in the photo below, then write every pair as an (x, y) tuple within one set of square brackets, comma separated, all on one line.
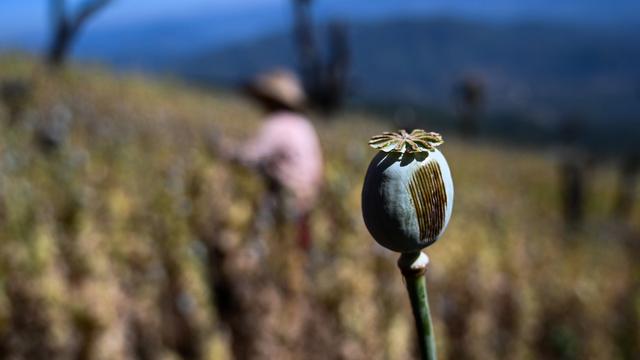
[(337, 69), (629, 169), (469, 97), (66, 25), (305, 41), (573, 171), (325, 80)]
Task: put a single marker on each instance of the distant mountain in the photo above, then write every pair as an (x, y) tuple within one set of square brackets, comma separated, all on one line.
[(539, 67), (603, 12), (154, 45), (547, 68), (143, 32), (19, 17)]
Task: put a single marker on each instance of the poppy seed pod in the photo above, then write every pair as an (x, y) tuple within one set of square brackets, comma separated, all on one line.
[(407, 195)]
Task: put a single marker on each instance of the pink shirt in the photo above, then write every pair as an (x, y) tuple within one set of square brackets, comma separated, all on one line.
[(287, 147)]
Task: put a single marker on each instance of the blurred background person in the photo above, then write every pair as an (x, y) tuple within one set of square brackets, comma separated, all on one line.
[(285, 151)]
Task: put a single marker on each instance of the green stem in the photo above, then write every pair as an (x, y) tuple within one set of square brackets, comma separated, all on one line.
[(413, 267)]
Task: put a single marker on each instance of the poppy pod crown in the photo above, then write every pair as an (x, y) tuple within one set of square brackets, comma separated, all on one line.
[(407, 197)]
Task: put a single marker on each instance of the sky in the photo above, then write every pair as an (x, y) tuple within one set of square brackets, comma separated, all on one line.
[(23, 16)]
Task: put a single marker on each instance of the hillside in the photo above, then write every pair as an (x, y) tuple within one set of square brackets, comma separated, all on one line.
[(537, 73), (127, 237), (544, 70)]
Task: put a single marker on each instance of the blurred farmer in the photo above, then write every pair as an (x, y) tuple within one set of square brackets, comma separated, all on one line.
[(286, 151)]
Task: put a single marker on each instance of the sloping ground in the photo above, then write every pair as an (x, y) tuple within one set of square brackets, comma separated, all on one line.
[(123, 235)]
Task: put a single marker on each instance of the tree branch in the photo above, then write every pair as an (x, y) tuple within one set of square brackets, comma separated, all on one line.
[(87, 10), (65, 26), (58, 13)]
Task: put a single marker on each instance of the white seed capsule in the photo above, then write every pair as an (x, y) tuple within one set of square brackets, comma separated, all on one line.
[(407, 196)]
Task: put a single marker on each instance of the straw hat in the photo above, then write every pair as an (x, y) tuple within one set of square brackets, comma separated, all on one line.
[(279, 86)]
